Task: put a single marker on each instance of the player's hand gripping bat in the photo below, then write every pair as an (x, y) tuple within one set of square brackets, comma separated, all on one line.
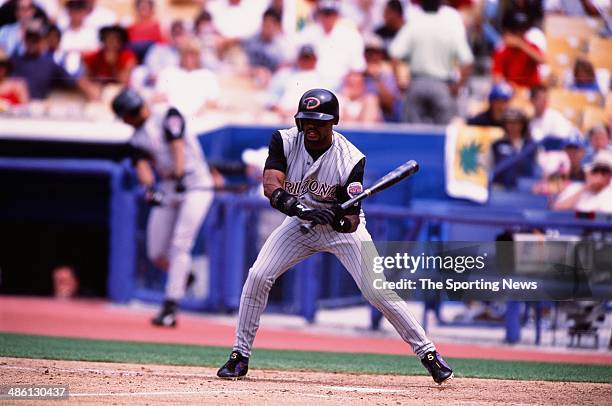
[(401, 172)]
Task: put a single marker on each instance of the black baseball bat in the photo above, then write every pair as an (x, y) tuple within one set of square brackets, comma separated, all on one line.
[(401, 172)]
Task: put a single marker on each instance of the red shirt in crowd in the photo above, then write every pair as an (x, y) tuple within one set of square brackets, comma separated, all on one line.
[(102, 71), (11, 97), (516, 67), (145, 31)]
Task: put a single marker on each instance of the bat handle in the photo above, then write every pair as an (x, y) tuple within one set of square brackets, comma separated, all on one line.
[(306, 227)]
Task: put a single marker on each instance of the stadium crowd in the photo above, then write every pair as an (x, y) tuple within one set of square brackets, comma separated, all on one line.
[(390, 61)]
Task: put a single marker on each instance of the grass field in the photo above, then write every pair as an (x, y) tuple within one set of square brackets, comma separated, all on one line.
[(58, 348)]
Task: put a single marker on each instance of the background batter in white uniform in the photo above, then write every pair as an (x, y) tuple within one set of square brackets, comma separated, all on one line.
[(162, 145)]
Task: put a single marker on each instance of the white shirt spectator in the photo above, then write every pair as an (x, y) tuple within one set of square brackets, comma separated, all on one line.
[(552, 123), (239, 21), (81, 40), (433, 44), (449, 15), (189, 91), (589, 202), (161, 56), (99, 17), (338, 52)]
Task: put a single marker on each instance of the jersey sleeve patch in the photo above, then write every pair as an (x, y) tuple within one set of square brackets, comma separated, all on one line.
[(354, 189), (174, 125)]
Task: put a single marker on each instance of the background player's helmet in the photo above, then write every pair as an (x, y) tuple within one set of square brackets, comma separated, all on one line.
[(127, 103), (318, 104)]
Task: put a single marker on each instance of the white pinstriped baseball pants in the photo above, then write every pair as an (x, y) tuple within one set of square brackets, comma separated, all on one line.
[(287, 246)]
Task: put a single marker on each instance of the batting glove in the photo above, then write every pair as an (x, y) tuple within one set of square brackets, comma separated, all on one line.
[(153, 196)]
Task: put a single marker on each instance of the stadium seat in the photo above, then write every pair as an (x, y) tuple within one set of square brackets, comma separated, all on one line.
[(562, 52), (577, 27), (573, 103), (593, 116), (600, 52)]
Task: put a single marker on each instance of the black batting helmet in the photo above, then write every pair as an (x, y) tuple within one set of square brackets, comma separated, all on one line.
[(318, 104), (127, 103)]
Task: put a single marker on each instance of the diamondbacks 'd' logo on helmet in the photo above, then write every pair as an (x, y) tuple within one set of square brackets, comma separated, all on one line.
[(311, 103), (318, 104)]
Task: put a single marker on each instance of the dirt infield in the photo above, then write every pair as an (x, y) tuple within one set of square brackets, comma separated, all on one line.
[(94, 383)]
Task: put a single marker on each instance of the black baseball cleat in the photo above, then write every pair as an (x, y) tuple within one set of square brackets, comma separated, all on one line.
[(166, 316), (235, 368), (440, 371)]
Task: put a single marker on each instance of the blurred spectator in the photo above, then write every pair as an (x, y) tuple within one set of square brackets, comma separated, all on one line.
[(160, 56), (379, 79), (236, 20), (288, 84), (65, 282), (40, 72), (114, 61), (71, 61), (189, 87), (12, 35), (555, 167), (146, 27), (44, 10), (339, 47), (209, 37), (393, 17), (547, 122), (593, 195), (584, 76), (357, 105), (12, 91), (145, 30), (515, 144), (575, 149), (533, 9), (578, 8), (97, 18), (433, 43), (78, 37), (268, 49), (499, 98), (519, 58), (361, 13), (599, 140)]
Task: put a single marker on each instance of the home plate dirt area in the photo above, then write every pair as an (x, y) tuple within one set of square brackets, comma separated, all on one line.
[(95, 383)]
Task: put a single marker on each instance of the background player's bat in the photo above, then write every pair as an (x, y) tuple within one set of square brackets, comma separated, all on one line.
[(401, 172)]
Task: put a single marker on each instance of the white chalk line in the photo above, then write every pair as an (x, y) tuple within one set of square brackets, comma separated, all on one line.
[(361, 389)]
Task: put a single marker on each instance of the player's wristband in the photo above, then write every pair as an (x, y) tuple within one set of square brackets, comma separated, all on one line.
[(343, 225), (281, 200)]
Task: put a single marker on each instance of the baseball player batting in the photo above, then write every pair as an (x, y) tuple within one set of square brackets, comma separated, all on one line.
[(310, 171), (181, 198)]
